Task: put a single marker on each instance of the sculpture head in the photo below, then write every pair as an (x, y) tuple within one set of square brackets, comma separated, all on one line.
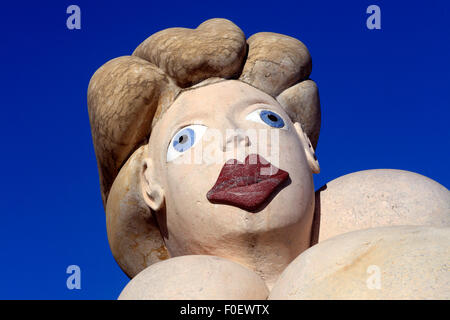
[(203, 146)]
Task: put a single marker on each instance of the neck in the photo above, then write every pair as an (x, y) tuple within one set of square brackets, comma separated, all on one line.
[(266, 254)]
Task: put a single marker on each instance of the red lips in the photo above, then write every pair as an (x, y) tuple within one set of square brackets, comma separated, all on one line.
[(246, 185)]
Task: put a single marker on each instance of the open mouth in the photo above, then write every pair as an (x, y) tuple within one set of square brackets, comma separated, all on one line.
[(246, 185)]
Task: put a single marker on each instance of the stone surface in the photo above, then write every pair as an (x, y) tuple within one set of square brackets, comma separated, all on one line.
[(123, 96), (266, 239), (275, 62), (302, 104), (158, 208), (382, 197), (128, 95), (216, 48), (141, 233), (196, 277), (133, 233), (412, 262)]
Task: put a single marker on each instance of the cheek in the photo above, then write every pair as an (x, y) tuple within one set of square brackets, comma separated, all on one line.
[(293, 159), (182, 192), (187, 184), (291, 153), (191, 219)]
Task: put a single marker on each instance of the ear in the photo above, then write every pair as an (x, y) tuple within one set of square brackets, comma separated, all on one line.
[(309, 150), (152, 193)]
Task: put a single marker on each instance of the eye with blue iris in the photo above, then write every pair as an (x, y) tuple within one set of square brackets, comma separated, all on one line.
[(267, 117), (184, 139)]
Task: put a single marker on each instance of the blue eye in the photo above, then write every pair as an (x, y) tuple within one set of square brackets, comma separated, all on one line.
[(184, 139), (267, 117), (272, 119)]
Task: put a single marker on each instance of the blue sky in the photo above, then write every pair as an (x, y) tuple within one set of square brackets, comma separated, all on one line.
[(384, 93)]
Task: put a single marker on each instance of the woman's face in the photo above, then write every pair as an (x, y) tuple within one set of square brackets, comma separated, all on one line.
[(226, 164)]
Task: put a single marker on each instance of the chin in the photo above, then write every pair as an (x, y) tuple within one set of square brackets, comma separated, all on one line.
[(277, 216)]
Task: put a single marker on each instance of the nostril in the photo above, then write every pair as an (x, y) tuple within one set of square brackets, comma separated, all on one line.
[(246, 141)]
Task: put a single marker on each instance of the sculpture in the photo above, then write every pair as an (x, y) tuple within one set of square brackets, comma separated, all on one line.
[(201, 204)]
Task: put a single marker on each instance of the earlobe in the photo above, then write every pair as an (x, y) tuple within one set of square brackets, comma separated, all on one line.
[(309, 150), (152, 193)]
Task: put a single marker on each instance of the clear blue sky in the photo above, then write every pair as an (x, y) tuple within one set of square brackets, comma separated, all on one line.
[(385, 101)]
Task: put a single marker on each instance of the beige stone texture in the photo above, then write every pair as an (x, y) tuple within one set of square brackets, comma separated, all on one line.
[(382, 197), (128, 95), (133, 233), (302, 104), (198, 277), (275, 62), (123, 96), (216, 48), (175, 191), (165, 233), (402, 262)]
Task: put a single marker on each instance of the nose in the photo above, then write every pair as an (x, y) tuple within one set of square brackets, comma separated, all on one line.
[(235, 139)]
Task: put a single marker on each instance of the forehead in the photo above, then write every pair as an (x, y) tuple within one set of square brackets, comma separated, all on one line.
[(217, 98)]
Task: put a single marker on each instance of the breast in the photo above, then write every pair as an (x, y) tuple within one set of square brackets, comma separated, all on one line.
[(401, 262), (379, 198)]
